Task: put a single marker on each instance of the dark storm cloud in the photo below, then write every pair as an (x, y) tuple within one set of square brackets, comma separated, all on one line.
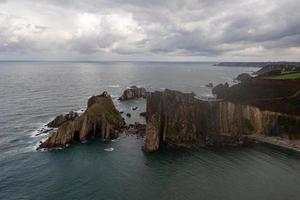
[(204, 28)]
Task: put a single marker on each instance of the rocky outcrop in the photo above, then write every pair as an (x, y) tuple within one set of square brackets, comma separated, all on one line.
[(136, 129), (59, 120), (273, 95), (133, 93), (100, 120), (181, 119), (244, 77)]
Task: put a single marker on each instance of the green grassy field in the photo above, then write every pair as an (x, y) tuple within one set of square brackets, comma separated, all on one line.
[(284, 76)]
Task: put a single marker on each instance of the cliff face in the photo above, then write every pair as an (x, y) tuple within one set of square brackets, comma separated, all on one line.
[(100, 120), (178, 118), (275, 95)]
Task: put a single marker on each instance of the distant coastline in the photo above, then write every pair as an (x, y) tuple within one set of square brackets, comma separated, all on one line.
[(254, 64)]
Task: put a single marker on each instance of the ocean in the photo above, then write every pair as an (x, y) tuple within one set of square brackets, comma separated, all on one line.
[(33, 93)]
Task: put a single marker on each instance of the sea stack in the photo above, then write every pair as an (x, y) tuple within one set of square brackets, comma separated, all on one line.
[(100, 120), (133, 92)]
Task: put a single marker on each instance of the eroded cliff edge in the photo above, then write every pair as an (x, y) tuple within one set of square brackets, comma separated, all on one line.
[(182, 119), (100, 120)]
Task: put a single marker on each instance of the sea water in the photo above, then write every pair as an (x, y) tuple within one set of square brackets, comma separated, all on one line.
[(32, 93)]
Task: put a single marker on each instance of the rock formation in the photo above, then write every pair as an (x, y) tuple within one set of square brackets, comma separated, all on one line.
[(59, 120), (181, 119), (100, 120), (274, 95), (244, 77), (133, 93)]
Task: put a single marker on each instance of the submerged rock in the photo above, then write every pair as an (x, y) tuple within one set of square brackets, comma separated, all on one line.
[(133, 92), (100, 120), (180, 119)]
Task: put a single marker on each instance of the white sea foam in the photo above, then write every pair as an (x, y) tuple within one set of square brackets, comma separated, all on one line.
[(109, 149), (115, 140), (42, 131), (80, 111), (114, 96), (114, 86)]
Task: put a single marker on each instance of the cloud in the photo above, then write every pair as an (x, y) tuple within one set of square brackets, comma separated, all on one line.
[(205, 29)]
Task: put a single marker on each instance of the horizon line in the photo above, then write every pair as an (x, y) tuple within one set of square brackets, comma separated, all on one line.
[(174, 61)]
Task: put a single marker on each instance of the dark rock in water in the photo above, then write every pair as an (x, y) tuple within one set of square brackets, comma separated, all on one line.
[(181, 119), (100, 120), (59, 120), (133, 93), (135, 108), (128, 115), (143, 114), (209, 85)]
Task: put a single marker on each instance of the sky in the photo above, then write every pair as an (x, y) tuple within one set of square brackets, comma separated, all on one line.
[(154, 30)]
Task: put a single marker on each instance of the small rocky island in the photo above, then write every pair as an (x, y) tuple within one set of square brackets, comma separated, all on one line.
[(133, 92), (100, 120), (263, 108)]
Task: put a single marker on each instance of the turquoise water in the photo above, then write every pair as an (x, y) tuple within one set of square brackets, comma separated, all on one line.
[(32, 93)]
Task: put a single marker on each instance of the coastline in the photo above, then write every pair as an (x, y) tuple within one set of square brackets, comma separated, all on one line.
[(277, 141)]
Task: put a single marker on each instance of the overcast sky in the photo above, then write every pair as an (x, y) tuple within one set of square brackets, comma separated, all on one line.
[(191, 30)]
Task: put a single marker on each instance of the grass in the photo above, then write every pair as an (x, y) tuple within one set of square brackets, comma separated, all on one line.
[(284, 76)]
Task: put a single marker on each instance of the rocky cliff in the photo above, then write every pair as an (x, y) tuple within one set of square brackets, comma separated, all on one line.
[(180, 118), (133, 93), (275, 95), (100, 120)]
